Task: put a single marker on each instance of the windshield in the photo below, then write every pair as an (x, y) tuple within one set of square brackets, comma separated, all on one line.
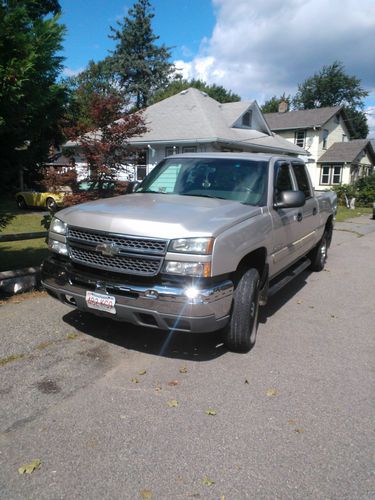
[(229, 179)]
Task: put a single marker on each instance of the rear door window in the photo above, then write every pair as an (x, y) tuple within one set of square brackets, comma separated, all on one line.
[(302, 179)]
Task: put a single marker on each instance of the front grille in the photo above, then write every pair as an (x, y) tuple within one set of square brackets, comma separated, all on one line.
[(137, 256), (139, 245), (120, 263)]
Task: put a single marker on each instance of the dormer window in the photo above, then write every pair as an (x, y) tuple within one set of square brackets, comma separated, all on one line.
[(246, 119)]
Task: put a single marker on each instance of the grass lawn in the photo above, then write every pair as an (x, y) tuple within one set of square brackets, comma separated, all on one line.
[(19, 254), (344, 213)]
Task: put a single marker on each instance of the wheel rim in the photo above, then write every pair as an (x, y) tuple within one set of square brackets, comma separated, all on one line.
[(323, 252)]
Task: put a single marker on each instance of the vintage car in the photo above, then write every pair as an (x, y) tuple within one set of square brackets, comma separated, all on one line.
[(50, 201)]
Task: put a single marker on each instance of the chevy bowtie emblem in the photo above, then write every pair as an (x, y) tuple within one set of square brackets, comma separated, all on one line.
[(108, 249)]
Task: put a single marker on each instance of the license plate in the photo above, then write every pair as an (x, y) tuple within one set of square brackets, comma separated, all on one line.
[(101, 302)]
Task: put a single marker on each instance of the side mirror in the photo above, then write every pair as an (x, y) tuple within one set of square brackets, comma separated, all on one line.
[(290, 199)]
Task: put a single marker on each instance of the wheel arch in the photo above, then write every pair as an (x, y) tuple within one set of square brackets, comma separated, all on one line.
[(255, 259)]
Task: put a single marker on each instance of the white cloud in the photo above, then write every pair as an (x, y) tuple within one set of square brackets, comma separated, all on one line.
[(370, 113), (264, 47), (72, 72)]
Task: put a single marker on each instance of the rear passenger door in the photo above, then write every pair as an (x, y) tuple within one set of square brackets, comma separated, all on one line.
[(308, 214)]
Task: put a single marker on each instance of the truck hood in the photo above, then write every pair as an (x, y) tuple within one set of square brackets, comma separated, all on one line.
[(159, 215)]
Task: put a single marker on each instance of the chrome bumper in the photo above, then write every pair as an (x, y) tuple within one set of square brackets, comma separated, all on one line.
[(193, 309)]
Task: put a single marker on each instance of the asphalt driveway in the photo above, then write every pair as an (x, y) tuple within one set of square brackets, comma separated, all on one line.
[(109, 416)]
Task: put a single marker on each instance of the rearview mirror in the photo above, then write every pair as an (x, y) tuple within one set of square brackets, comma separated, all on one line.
[(290, 199)]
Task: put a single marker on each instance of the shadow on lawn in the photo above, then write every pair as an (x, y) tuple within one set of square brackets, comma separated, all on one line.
[(5, 218), (12, 258)]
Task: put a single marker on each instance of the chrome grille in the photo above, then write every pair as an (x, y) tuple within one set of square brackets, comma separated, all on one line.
[(128, 243), (139, 256), (120, 263)]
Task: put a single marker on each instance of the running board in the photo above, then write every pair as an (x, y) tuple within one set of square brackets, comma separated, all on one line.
[(288, 276)]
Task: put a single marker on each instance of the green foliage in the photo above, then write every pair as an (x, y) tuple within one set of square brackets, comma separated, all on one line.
[(96, 80), (363, 190), (141, 66), (272, 105), (31, 100), (178, 84), (365, 187), (333, 87)]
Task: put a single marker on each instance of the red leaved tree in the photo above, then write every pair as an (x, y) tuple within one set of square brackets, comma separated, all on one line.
[(103, 140)]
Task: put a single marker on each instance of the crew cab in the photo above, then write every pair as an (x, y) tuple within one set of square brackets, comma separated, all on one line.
[(197, 247)]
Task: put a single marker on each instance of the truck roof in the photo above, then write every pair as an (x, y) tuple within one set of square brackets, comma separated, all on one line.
[(239, 155)]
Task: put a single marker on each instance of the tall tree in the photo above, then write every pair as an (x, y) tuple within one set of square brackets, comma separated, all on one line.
[(332, 86), (31, 99), (272, 105), (141, 65), (178, 84)]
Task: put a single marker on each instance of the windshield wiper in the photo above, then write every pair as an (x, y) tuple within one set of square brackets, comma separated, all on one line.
[(204, 196), (151, 191)]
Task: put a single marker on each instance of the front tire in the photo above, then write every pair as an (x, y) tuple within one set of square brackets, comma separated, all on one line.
[(240, 333), (21, 203)]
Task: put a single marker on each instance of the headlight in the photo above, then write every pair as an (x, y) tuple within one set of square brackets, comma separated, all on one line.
[(198, 269), (58, 226), (202, 246), (57, 246)]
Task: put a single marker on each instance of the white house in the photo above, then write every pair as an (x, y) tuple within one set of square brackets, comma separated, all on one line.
[(191, 121), (325, 133)]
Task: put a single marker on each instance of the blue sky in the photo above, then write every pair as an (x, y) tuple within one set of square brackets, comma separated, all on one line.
[(256, 48), (176, 22)]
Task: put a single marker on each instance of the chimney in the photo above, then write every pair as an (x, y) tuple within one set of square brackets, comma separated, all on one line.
[(283, 107)]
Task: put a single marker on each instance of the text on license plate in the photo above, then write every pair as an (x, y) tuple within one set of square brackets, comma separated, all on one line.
[(101, 302)]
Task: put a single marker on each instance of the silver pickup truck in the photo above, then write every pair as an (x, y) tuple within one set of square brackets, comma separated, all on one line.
[(197, 247)]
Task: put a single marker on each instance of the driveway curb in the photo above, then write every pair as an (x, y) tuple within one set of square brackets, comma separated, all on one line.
[(20, 280)]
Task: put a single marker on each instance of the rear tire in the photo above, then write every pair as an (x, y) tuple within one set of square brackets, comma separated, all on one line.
[(21, 203), (240, 333), (318, 255), (51, 204)]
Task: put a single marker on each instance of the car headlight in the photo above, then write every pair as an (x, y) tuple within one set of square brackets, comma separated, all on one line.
[(201, 246), (198, 269), (58, 226), (57, 246)]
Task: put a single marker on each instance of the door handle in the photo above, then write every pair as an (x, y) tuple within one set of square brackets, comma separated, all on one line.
[(315, 211)]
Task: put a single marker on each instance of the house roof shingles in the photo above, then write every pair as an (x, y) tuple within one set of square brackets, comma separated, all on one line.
[(347, 152), (193, 116), (301, 119)]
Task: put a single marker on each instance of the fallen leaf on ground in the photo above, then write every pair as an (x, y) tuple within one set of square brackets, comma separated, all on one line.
[(134, 380), (211, 411), (173, 382), (72, 336), (208, 482), (183, 369), (172, 403), (299, 431), (246, 381), (292, 422), (29, 468), (146, 494), (299, 301), (142, 372), (157, 388), (271, 392)]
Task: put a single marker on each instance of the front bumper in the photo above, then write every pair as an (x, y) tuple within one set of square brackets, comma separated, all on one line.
[(195, 308)]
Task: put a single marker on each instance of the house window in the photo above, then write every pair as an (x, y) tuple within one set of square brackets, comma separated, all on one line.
[(299, 138), (331, 174), (325, 137), (189, 149), (246, 119), (172, 150)]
